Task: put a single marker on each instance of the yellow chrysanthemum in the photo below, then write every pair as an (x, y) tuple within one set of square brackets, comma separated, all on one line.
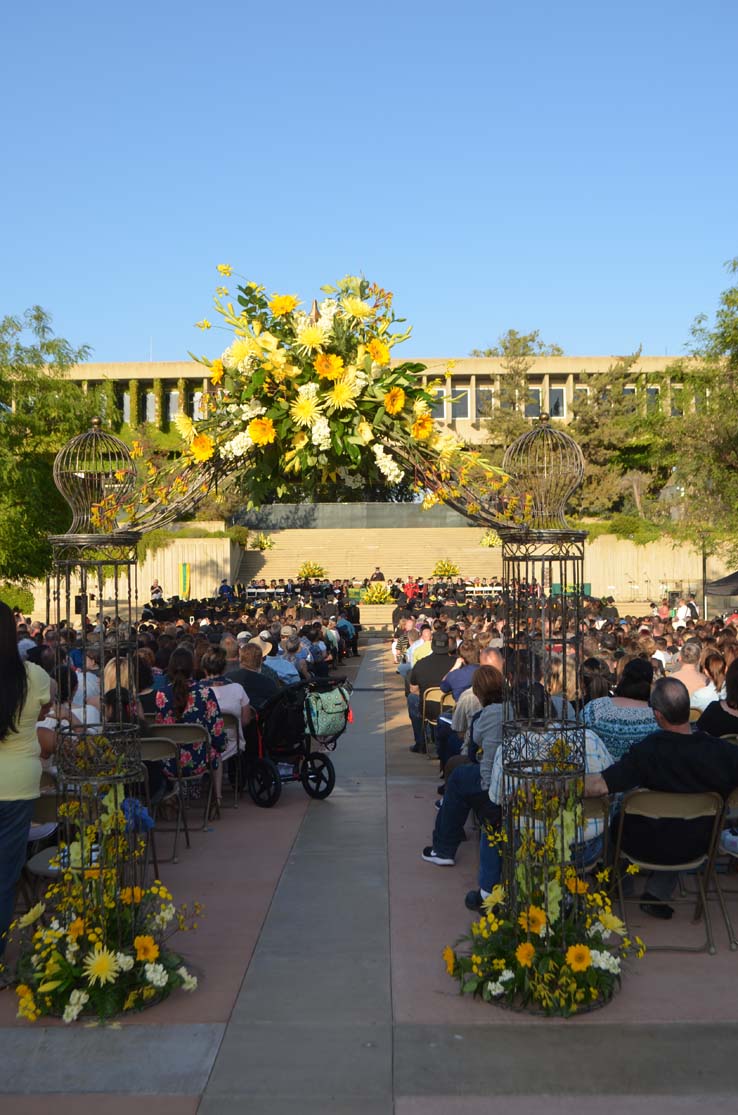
[(379, 351), (311, 337), (216, 372), (146, 948), (184, 426), (533, 919), (575, 885), (394, 400), (449, 957), (282, 304), (524, 954), (610, 922), (225, 269), (101, 966), (31, 915), (329, 366), (341, 396), (305, 410), (422, 427), (261, 431), (354, 307), (365, 432), (202, 447), (579, 958)]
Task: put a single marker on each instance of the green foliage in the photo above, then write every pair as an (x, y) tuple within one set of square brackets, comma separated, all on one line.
[(517, 353), (632, 528), (40, 409), (239, 535), (17, 597)]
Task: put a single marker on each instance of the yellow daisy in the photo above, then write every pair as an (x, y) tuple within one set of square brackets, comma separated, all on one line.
[(394, 400), (533, 919), (329, 366), (146, 948), (261, 431), (579, 958), (422, 427), (379, 351), (101, 966), (202, 447), (311, 337), (216, 372), (524, 954), (282, 304), (341, 396)]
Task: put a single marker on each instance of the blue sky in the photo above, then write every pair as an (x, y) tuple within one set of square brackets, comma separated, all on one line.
[(571, 168)]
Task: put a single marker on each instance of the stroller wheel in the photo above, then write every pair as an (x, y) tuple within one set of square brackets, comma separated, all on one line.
[(264, 783), (318, 775)]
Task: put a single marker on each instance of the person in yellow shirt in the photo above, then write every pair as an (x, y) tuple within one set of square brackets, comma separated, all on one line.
[(24, 696)]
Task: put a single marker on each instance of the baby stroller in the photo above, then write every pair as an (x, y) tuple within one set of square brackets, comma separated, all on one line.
[(288, 726)]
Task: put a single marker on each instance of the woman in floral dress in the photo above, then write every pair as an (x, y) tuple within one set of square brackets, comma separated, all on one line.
[(179, 699)]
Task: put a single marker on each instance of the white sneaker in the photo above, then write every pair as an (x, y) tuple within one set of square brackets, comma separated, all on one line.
[(729, 842)]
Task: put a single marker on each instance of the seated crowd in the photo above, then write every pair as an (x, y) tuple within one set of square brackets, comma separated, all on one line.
[(52, 681), (654, 695)]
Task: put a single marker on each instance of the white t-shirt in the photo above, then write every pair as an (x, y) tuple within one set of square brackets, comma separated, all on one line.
[(231, 698)]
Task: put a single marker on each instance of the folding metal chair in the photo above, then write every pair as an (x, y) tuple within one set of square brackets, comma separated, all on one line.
[(189, 735), (158, 749), (432, 696), (38, 867), (657, 806), (232, 724), (598, 809)]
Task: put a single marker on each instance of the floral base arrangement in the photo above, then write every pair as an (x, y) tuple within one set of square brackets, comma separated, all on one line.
[(555, 965), (445, 568), (311, 570), (376, 593), (84, 967)]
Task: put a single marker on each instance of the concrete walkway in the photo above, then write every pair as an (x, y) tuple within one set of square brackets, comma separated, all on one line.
[(323, 989)]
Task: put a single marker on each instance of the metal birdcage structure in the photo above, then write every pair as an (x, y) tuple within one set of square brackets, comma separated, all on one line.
[(91, 603), (544, 745)]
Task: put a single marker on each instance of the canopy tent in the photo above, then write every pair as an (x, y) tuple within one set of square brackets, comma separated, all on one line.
[(726, 586)]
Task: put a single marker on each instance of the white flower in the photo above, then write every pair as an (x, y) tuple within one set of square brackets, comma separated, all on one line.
[(251, 410), (189, 982), (165, 915), (389, 469), (156, 974), (506, 975), (497, 988), (71, 1014), (125, 962), (597, 929), (78, 998), (349, 479), (605, 961), (71, 952), (320, 434), (238, 446), (328, 309), (308, 390)]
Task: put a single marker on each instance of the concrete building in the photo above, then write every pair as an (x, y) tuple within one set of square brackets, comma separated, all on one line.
[(156, 392)]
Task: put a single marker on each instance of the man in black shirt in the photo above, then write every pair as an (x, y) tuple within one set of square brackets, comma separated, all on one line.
[(673, 760), (427, 674), (259, 688)]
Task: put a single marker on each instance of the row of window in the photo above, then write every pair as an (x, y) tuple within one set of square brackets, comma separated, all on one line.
[(453, 408)]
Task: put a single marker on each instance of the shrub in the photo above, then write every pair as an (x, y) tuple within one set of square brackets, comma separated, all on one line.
[(16, 597)]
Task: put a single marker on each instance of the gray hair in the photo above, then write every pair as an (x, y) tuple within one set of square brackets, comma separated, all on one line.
[(692, 652)]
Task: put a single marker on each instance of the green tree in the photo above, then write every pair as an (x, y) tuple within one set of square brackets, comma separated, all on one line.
[(516, 353), (40, 409)]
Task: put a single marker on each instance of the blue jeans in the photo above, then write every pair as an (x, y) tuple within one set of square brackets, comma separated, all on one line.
[(462, 786), (15, 818), (448, 743), (414, 711)]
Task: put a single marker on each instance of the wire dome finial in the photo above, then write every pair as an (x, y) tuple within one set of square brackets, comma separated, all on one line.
[(95, 473), (546, 465)]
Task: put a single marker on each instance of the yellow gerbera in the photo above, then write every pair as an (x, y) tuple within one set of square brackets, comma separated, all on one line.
[(354, 307), (202, 447), (329, 366), (394, 400), (261, 431), (378, 351), (341, 396), (101, 966), (305, 410), (533, 919), (422, 427), (216, 372), (146, 948), (449, 957), (282, 304), (225, 269), (524, 954), (579, 958)]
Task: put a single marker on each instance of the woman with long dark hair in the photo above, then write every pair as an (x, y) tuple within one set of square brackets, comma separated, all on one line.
[(186, 701), (24, 692)]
